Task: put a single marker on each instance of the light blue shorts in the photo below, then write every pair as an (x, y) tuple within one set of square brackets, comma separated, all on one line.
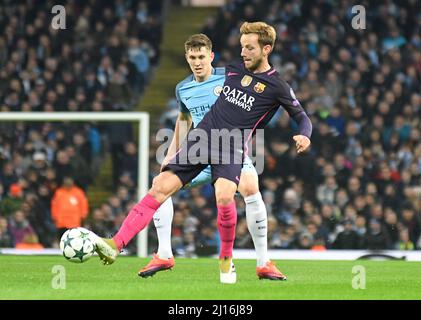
[(205, 176)]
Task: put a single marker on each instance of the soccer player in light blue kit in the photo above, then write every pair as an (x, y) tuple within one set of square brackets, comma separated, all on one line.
[(195, 96)]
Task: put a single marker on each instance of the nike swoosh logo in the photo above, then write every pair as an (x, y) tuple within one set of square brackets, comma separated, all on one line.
[(237, 178), (188, 98), (258, 221), (232, 74)]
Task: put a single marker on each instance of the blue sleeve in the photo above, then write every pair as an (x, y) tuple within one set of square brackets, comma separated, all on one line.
[(181, 106)]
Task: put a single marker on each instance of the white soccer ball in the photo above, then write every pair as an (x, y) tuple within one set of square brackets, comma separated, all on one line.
[(77, 245)]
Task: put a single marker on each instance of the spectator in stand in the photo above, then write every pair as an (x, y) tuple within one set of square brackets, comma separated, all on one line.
[(326, 192), (130, 160), (8, 175), (208, 237), (411, 222), (21, 230), (12, 201), (139, 57), (69, 206), (243, 237), (6, 239), (304, 241), (348, 238), (404, 242), (392, 226), (376, 238), (100, 223)]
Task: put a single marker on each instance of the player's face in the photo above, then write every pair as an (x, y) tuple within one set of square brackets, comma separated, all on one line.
[(251, 52), (200, 62)]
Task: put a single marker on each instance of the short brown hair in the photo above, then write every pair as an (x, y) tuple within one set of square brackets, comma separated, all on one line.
[(197, 41), (265, 32)]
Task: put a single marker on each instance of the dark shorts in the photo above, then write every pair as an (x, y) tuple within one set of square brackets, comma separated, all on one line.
[(187, 173), (194, 156)]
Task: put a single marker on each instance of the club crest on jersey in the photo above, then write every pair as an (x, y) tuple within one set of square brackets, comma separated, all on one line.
[(259, 87), (217, 90), (246, 81)]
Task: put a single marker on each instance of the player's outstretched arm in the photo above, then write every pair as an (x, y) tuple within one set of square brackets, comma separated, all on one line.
[(302, 140), (290, 103), (182, 127)]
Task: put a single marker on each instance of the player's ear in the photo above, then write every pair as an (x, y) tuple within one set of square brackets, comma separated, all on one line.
[(212, 56), (267, 49)]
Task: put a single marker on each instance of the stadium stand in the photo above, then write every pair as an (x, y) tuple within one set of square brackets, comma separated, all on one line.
[(358, 187), (102, 61)]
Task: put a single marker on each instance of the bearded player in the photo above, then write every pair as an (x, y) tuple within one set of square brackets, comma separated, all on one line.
[(243, 106), (195, 96)]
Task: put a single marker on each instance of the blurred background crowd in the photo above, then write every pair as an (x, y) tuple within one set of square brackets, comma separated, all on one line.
[(359, 187), (100, 62)]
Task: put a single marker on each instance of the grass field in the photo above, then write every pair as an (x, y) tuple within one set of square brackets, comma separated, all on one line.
[(32, 277)]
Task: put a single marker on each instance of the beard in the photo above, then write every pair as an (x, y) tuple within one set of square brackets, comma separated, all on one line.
[(255, 64)]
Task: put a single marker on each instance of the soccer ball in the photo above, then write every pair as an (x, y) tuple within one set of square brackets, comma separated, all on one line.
[(77, 245)]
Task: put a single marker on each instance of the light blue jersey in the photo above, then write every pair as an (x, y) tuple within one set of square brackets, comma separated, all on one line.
[(197, 98)]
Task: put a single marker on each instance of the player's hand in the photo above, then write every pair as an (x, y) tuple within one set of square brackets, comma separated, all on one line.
[(301, 142)]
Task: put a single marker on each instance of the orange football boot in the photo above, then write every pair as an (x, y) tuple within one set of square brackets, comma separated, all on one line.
[(155, 265), (270, 271)]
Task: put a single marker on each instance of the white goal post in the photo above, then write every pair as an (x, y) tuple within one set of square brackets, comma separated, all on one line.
[(142, 118)]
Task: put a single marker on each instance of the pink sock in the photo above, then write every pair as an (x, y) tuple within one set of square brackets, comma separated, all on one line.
[(137, 219), (227, 220)]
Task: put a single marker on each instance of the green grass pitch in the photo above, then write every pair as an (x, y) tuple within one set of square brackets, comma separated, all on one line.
[(33, 277)]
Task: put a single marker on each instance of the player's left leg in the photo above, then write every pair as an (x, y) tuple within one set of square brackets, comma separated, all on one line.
[(162, 221), (164, 259), (227, 220), (256, 216), (227, 177), (177, 173), (163, 186)]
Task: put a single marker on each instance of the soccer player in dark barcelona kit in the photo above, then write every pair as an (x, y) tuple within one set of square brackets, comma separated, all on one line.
[(196, 94), (251, 95)]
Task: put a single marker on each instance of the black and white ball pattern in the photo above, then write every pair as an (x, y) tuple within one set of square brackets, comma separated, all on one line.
[(77, 245)]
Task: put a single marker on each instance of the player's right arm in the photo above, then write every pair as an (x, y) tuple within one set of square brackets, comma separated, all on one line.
[(296, 112), (182, 127)]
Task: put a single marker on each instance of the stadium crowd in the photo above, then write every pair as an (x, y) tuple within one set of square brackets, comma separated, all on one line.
[(360, 185), (358, 188), (101, 61)]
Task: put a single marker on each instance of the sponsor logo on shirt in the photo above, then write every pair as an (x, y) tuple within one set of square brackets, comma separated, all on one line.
[(238, 98)]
